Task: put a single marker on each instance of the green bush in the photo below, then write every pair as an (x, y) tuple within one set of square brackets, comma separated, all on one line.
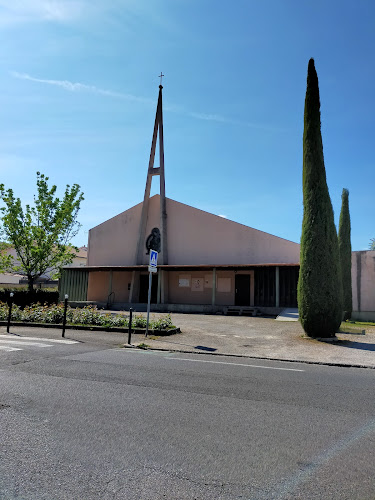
[(163, 323), (89, 315)]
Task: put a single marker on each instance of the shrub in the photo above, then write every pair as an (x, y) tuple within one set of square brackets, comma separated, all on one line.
[(163, 323), (90, 316)]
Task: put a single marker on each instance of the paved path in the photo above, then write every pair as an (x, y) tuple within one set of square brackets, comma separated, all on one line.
[(230, 335), (265, 338)]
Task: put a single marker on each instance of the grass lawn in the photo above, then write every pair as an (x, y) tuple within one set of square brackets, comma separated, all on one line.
[(355, 326)]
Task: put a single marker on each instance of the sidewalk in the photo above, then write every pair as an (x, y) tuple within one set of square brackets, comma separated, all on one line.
[(264, 338), (236, 336)]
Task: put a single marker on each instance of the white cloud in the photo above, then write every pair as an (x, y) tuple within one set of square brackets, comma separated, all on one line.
[(208, 117), (82, 87), (14, 12), (21, 11)]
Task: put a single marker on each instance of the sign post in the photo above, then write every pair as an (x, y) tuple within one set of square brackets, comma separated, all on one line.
[(152, 268)]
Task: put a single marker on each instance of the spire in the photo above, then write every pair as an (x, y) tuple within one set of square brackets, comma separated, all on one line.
[(158, 130)]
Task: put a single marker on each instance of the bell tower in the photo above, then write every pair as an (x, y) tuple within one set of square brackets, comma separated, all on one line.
[(151, 172)]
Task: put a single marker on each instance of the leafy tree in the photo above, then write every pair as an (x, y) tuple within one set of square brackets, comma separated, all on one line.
[(5, 258), (345, 254), (40, 234), (319, 284), (372, 244)]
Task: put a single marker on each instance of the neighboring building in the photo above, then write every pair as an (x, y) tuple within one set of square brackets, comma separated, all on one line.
[(18, 278), (8, 279), (206, 263), (363, 285), (80, 258)]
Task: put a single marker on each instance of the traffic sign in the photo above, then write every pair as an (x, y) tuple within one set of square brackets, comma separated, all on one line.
[(152, 269), (153, 258)]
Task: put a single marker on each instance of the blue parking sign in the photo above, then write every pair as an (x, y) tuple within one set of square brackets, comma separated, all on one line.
[(153, 258)]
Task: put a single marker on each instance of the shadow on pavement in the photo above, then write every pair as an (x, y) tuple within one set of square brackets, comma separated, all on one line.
[(204, 348), (199, 347), (356, 345)]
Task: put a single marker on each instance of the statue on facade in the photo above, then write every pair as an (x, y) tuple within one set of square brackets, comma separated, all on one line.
[(153, 241)]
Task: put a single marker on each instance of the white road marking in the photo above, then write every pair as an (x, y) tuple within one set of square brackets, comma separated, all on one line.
[(23, 343), (7, 348), (60, 341), (236, 364)]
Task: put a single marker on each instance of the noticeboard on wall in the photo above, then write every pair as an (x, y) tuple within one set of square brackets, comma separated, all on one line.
[(197, 285), (184, 281)]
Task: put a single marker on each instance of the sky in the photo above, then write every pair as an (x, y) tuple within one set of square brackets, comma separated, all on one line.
[(79, 86)]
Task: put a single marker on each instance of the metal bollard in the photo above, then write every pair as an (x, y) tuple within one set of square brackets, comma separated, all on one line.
[(64, 319), (10, 310), (130, 326)]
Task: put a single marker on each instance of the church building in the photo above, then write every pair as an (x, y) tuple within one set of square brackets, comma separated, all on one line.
[(206, 263)]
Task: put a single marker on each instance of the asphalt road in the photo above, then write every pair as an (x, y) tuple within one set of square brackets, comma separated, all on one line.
[(85, 421)]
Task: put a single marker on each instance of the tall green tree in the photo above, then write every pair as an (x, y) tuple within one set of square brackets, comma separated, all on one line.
[(372, 244), (41, 233), (319, 284), (345, 255)]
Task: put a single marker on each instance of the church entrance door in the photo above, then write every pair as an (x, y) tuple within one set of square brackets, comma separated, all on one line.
[(143, 290), (242, 286)]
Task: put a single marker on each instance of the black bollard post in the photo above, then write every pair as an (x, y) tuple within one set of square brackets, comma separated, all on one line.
[(10, 310), (130, 326), (64, 319)]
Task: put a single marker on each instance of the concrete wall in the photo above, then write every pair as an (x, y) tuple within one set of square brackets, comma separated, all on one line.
[(194, 237), (195, 287), (99, 286), (363, 285), (114, 242), (192, 287)]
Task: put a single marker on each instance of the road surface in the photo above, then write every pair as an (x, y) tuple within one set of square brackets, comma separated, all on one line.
[(86, 421)]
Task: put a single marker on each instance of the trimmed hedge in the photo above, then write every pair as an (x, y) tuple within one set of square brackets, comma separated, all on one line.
[(89, 316), (23, 298)]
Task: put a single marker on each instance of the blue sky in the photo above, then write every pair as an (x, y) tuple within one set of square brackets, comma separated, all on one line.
[(79, 83)]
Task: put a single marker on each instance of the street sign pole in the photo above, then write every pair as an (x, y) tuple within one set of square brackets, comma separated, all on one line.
[(151, 269), (148, 300)]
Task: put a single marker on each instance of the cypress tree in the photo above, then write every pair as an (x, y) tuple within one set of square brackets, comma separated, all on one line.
[(345, 255), (319, 284)]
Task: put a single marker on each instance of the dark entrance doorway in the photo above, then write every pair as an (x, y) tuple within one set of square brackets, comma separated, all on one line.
[(242, 285), (143, 289)]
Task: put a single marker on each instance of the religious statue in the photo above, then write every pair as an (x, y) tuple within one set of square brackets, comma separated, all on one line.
[(153, 241)]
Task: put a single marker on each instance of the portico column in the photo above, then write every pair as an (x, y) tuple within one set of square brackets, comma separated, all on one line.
[(277, 286), (110, 285), (213, 286), (131, 291), (160, 277)]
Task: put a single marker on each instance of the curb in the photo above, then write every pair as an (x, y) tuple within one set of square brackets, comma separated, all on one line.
[(322, 363)]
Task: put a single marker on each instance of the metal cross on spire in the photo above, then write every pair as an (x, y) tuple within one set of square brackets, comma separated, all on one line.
[(161, 76)]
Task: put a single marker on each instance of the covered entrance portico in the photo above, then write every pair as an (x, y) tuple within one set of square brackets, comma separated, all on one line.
[(202, 288)]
